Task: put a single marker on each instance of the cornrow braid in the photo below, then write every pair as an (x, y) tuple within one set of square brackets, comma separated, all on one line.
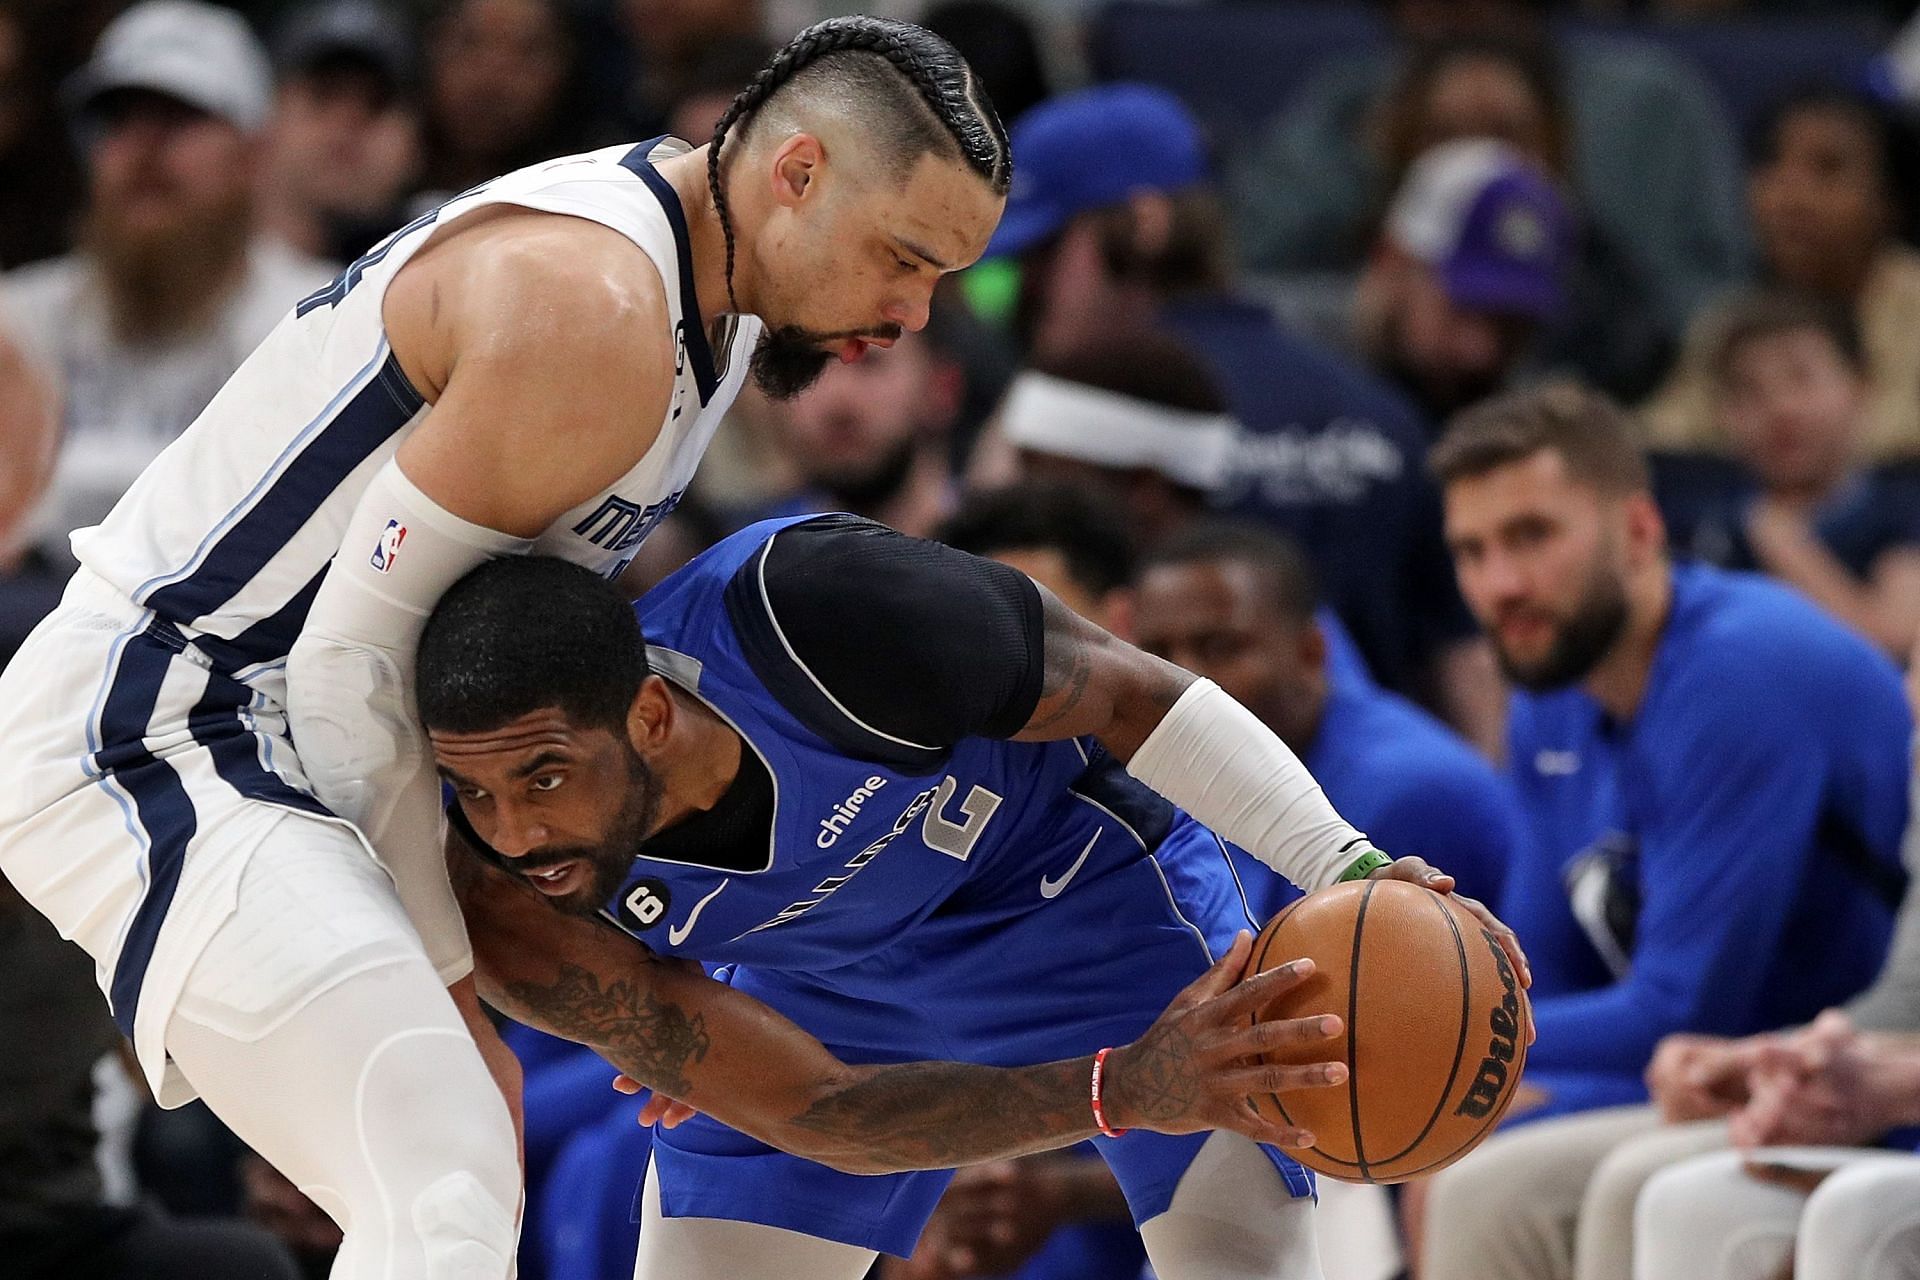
[(933, 67)]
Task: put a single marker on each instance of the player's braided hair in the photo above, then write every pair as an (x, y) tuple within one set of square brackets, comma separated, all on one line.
[(935, 69)]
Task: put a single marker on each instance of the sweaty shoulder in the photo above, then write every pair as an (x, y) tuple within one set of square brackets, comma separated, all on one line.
[(506, 283), (891, 648)]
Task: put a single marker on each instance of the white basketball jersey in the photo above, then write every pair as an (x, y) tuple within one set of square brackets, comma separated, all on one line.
[(230, 531)]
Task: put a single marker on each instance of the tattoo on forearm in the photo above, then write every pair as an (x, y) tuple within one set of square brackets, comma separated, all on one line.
[(935, 1115), (654, 1041)]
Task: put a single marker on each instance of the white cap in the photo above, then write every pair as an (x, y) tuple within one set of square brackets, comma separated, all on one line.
[(205, 56)]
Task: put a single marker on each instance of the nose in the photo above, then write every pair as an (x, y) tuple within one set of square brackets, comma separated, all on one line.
[(911, 312), (516, 833)]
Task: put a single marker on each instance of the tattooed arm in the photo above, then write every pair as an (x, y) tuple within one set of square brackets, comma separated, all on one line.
[(670, 1027), (1095, 683)]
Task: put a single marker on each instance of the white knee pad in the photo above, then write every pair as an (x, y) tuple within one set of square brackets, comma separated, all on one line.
[(466, 1232)]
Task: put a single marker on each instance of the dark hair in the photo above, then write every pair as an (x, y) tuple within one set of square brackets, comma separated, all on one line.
[(1586, 429), (1089, 533), (1403, 121), (522, 633), (1892, 140), (999, 43), (1768, 314), (1289, 575), (1142, 364), (923, 93)]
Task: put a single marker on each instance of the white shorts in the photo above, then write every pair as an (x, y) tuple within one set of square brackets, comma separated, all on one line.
[(136, 783)]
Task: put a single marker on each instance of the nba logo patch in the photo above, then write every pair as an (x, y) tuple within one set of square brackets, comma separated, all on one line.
[(387, 550)]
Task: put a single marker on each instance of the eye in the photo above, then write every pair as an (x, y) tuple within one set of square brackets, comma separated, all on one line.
[(475, 794), (548, 782)]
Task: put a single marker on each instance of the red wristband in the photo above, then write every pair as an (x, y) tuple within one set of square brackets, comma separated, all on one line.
[(1096, 1089)]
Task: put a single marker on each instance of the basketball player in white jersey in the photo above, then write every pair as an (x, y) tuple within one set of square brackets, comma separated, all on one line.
[(199, 746)]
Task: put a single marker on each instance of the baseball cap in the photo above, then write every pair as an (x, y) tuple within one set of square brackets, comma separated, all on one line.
[(206, 57), (1493, 224), (1091, 149), (350, 30)]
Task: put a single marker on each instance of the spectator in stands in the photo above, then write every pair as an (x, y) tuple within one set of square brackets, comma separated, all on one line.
[(1511, 91), (1832, 189), (1134, 418), (57, 1221), (1714, 771), (39, 182), (1790, 395), (1556, 1201), (1065, 538), (170, 288), (871, 437), (343, 147), (1653, 156), (709, 85), (1472, 268), (1237, 605), (501, 92), (1117, 225), (674, 43)]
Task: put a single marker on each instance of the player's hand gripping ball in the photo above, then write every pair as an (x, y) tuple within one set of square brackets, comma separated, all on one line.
[(1436, 1027)]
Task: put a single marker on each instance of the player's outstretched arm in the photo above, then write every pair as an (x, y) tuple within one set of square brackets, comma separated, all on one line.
[(1191, 742), (670, 1027)]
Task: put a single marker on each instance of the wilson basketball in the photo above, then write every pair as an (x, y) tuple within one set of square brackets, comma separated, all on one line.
[(1434, 1028)]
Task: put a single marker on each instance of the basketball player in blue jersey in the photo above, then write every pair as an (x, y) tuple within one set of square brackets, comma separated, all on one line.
[(916, 806), (207, 741)]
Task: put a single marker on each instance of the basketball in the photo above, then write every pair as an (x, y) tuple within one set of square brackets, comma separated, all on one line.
[(1434, 1037)]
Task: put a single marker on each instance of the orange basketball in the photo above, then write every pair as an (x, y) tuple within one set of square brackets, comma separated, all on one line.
[(1433, 1035)]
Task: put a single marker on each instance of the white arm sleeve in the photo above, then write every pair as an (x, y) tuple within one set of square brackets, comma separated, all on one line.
[(1213, 758), (350, 692)]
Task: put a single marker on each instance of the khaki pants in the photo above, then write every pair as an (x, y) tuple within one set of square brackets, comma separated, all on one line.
[(1554, 1200)]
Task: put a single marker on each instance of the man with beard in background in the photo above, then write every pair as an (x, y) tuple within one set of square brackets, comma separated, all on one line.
[(1714, 771), (169, 289), (871, 437)]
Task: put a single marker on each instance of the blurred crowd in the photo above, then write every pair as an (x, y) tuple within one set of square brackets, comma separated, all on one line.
[(1521, 422)]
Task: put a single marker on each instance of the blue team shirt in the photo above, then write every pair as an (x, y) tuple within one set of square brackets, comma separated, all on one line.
[(1747, 821), (1413, 785)]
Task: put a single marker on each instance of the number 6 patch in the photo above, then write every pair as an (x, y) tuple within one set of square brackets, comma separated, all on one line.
[(646, 903)]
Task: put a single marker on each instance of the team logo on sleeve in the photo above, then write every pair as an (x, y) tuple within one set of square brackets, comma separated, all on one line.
[(387, 550)]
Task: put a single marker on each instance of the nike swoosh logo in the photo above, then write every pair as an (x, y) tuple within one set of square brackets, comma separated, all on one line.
[(1052, 888), (677, 934)]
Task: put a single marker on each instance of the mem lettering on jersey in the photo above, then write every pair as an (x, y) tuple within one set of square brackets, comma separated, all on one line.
[(618, 525), (387, 550)]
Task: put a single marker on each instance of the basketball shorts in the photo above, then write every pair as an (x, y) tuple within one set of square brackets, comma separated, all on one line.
[(136, 783), (1057, 977)]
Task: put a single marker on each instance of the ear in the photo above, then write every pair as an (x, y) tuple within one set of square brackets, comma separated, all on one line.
[(650, 718), (1152, 213), (1311, 648), (797, 163), (1646, 529)]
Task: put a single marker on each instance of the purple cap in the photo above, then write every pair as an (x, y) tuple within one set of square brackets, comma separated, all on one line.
[(1493, 224)]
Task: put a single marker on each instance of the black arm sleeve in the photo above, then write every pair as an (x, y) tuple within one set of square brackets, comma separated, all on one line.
[(890, 647)]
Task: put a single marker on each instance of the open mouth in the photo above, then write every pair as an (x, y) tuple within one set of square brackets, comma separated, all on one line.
[(556, 880)]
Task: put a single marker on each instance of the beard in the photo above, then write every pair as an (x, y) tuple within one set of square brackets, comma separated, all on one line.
[(164, 279), (612, 858), (1583, 638), (790, 358)]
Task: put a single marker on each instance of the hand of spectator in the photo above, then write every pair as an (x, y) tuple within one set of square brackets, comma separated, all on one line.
[(1775, 529), (996, 1216), (1825, 1085), (1700, 1077), (1419, 871), (659, 1108)]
